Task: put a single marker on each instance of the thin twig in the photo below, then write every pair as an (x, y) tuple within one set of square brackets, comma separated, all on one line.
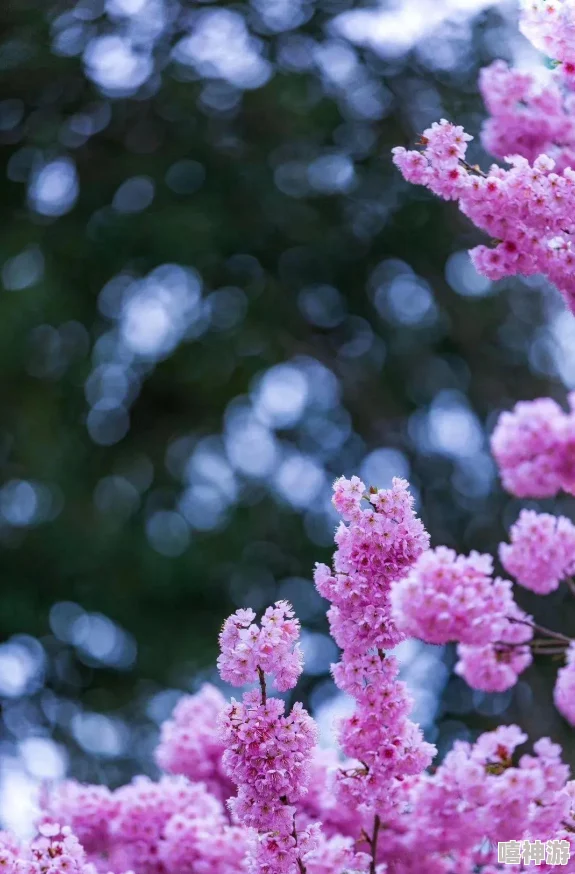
[(473, 168), (373, 844), (539, 644), (556, 650), (301, 867), (541, 628), (548, 646), (262, 677)]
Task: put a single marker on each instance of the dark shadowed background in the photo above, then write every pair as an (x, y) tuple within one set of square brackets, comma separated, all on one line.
[(216, 296)]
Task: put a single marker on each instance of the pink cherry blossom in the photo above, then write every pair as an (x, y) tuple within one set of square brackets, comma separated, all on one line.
[(541, 552), (189, 744), (449, 597), (495, 667), (247, 650)]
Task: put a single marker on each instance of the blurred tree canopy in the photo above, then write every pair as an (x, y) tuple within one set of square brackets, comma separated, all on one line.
[(218, 295)]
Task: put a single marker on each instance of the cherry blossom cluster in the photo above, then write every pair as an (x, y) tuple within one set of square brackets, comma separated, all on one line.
[(291, 808), (382, 540), (378, 546), (249, 651), (550, 26), (188, 744), (486, 793), (179, 825), (534, 448), (453, 598), (191, 745), (149, 827), (268, 756), (542, 551), (449, 597), (267, 753), (88, 809), (527, 117), (496, 666), (54, 849), (527, 209), (478, 795), (248, 789)]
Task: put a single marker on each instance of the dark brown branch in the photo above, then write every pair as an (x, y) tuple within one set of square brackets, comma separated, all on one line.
[(373, 844), (542, 630), (262, 677)]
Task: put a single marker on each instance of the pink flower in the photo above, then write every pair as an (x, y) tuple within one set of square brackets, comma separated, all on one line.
[(267, 754), (528, 209), (551, 28), (189, 744), (526, 117), (449, 597), (381, 542), (525, 445), (272, 649), (86, 809), (541, 552), (495, 667), (534, 447)]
